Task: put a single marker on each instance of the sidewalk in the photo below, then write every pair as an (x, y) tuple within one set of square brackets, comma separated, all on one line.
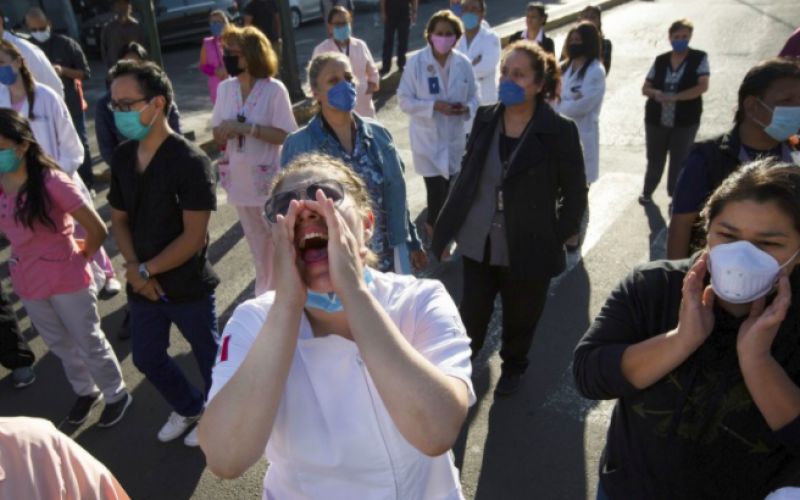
[(198, 122)]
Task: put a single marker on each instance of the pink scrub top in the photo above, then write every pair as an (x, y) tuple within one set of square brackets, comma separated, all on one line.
[(213, 58), (44, 262)]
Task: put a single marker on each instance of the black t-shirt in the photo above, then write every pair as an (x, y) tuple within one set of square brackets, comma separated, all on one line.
[(264, 13), (67, 53), (178, 178)]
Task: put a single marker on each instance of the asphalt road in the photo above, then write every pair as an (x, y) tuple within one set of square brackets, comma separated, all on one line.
[(544, 442)]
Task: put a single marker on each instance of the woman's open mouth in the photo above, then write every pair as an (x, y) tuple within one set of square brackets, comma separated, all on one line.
[(313, 247)]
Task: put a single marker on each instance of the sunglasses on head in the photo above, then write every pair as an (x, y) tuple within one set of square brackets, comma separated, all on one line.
[(279, 203)]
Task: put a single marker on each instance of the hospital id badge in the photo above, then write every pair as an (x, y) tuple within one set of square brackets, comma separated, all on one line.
[(433, 85), (500, 203)]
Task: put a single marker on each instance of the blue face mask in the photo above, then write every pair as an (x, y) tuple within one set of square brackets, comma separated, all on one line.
[(216, 28), (510, 93), (129, 124), (342, 96), (679, 45), (330, 302), (7, 75), (470, 21), (456, 9), (341, 33), (9, 161), (785, 122)]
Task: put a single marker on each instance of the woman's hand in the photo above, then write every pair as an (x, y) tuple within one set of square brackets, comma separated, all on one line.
[(419, 259), (759, 330), (290, 289), (221, 73), (443, 107), (344, 254), (696, 319)]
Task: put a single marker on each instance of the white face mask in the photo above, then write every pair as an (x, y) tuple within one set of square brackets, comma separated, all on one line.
[(742, 273), (41, 36)]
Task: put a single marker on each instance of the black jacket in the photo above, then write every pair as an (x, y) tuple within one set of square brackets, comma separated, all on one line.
[(547, 43), (719, 446), (544, 190)]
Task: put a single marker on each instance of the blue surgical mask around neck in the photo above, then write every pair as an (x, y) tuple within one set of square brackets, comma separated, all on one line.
[(330, 302)]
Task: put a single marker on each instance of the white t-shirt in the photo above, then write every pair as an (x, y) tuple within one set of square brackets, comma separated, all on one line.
[(248, 173), (333, 437)]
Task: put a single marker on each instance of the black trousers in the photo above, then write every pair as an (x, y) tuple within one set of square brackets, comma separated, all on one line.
[(14, 350), (436, 188), (660, 141), (402, 26), (523, 302)]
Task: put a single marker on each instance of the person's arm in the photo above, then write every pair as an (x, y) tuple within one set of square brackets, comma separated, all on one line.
[(383, 11), (239, 417), (120, 227), (473, 94), (373, 76), (691, 190), (205, 68), (70, 150), (96, 232), (571, 183), (694, 92), (427, 406), (185, 246), (592, 92), (489, 59), (679, 235)]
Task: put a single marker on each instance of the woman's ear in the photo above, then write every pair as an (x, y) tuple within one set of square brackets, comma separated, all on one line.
[(369, 225)]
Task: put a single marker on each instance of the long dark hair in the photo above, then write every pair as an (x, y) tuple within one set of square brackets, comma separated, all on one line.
[(33, 202), (591, 39), (27, 78)]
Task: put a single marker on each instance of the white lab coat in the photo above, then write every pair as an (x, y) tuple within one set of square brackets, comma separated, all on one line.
[(585, 110), (333, 437), (364, 70), (485, 45), (41, 69), (52, 127), (437, 141)]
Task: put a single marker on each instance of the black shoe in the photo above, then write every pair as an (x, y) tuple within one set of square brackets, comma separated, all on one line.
[(645, 200), (83, 406), (114, 412), (508, 384), (124, 332), (572, 248)]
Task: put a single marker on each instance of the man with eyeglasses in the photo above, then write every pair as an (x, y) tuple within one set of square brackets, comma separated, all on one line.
[(37, 62), (162, 193)]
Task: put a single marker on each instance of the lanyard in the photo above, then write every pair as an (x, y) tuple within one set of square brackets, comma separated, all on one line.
[(346, 50), (243, 110), (505, 154)]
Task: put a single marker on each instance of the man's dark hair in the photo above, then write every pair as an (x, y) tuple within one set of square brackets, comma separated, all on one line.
[(153, 82), (133, 48), (760, 77)]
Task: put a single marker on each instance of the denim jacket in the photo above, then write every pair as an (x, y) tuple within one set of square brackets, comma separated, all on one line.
[(312, 138)]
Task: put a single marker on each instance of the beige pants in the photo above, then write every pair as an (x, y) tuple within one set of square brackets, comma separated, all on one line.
[(258, 234)]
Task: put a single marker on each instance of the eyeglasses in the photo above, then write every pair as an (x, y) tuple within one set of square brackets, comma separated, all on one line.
[(279, 204), (37, 30), (124, 105)]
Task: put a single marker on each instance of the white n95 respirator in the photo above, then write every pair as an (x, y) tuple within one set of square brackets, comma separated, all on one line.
[(741, 272)]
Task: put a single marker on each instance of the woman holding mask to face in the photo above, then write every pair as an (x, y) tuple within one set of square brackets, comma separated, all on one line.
[(252, 117), (520, 195), (439, 92), (703, 354), (355, 382)]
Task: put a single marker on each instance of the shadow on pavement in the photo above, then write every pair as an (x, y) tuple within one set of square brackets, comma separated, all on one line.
[(658, 226)]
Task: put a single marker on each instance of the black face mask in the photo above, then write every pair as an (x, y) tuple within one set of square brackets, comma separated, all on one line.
[(576, 50), (232, 65)]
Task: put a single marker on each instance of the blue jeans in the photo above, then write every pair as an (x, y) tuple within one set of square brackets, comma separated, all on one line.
[(601, 493), (85, 170), (150, 325)]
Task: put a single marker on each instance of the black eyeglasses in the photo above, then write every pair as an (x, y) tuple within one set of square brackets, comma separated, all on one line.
[(125, 105), (279, 204)]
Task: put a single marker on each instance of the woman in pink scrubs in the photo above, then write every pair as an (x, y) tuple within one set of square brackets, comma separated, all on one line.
[(211, 53), (50, 271), (252, 117)]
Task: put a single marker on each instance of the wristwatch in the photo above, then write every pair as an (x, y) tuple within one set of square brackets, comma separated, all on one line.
[(143, 272)]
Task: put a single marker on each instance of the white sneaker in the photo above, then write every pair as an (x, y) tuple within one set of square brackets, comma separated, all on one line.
[(191, 439), (175, 426), (112, 286)]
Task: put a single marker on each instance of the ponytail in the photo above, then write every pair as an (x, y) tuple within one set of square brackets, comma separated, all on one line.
[(30, 87)]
